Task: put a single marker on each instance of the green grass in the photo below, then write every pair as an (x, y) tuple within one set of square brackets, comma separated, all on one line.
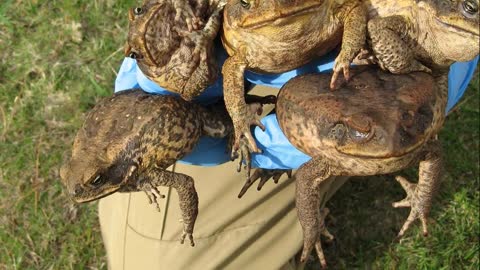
[(59, 57)]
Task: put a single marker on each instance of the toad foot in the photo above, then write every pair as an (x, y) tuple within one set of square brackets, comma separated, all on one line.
[(153, 194), (264, 175), (417, 207), (190, 237), (242, 129), (311, 240), (342, 63)]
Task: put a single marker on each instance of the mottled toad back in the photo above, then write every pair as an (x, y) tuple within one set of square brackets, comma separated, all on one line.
[(169, 49), (377, 123), (127, 142)]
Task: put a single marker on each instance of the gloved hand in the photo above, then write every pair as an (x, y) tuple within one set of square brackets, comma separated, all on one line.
[(278, 153)]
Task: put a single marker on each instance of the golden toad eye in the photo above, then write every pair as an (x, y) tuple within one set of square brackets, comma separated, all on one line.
[(138, 11), (469, 8), (245, 3)]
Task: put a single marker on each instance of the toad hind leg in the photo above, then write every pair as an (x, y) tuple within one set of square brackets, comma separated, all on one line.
[(419, 196), (201, 42), (187, 195), (310, 177)]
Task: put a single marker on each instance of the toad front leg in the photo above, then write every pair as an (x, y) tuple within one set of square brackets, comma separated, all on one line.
[(242, 115), (392, 52), (309, 179), (354, 34), (419, 196), (187, 195)]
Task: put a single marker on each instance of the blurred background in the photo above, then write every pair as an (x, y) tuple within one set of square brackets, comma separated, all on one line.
[(57, 58)]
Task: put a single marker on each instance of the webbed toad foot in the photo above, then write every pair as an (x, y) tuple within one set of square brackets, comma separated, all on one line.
[(313, 239), (243, 143), (264, 175), (342, 63), (418, 207), (153, 194)]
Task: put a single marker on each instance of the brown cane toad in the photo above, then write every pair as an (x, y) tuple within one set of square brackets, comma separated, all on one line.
[(168, 52), (274, 36), (129, 140), (377, 123)]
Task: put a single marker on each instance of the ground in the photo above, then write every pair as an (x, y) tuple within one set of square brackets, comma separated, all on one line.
[(59, 57)]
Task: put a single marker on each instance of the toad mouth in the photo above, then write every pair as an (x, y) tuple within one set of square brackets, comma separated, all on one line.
[(85, 200), (279, 16), (455, 28)]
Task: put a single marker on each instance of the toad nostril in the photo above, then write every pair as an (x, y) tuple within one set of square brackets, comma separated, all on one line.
[(77, 190)]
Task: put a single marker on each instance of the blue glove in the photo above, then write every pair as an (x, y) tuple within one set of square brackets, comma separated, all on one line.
[(278, 153)]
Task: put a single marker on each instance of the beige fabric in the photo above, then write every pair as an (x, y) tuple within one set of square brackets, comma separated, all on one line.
[(259, 231)]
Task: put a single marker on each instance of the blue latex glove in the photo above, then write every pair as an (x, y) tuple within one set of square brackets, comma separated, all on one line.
[(278, 153)]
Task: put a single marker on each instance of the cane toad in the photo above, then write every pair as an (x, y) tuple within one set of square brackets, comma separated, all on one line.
[(274, 36), (419, 35), (127, 142), (168, 51), (377, 123)]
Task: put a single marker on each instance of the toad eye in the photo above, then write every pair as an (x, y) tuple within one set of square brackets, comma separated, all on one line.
[(245, 3), (469, 8), (138, 11), (134, 55), (97, 181), (359, 136)]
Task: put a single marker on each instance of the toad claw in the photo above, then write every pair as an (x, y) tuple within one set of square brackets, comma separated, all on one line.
[(418, 209), (341, 63), (245, 155), (153, 195), (264, 175), (190, 237)]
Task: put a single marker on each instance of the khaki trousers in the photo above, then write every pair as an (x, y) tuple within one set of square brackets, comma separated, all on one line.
[(259, 231)]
